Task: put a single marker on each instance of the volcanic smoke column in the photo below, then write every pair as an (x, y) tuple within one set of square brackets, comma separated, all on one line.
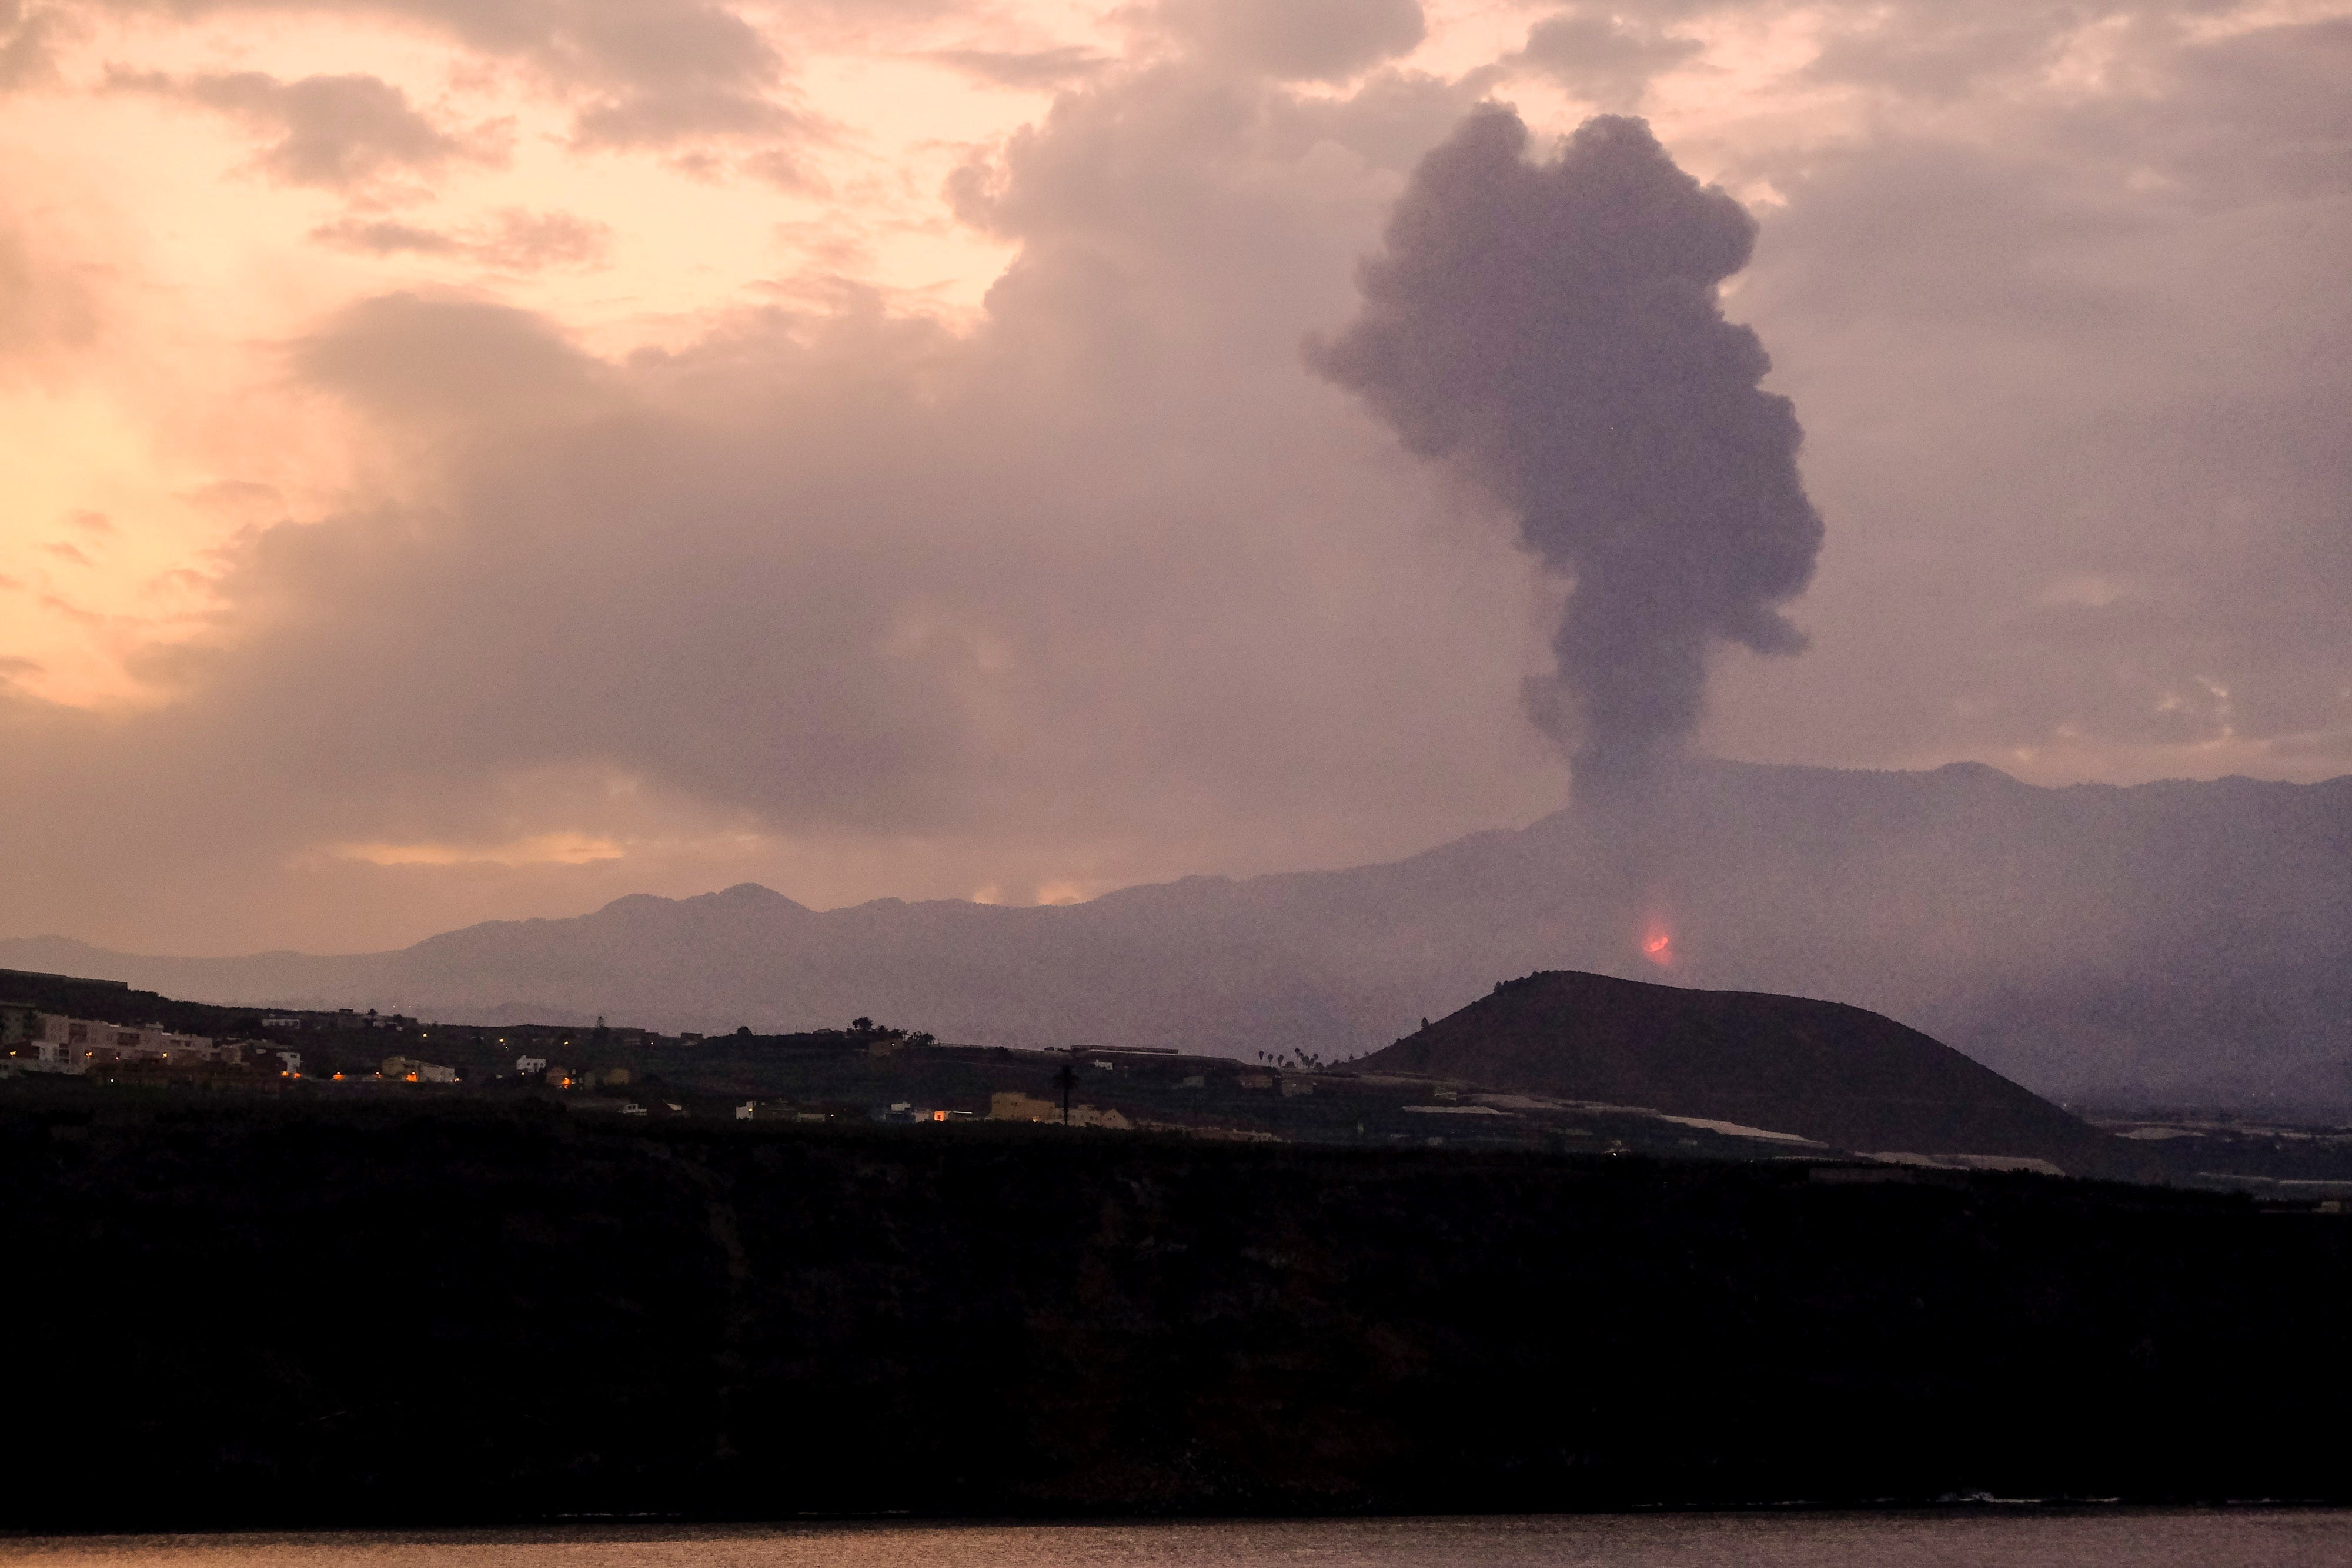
[(1553, 329)]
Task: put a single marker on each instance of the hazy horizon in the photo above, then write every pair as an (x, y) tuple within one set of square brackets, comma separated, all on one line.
[(884, 897)]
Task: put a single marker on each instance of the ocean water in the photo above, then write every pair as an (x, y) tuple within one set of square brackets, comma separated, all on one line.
[(1987, 1538)]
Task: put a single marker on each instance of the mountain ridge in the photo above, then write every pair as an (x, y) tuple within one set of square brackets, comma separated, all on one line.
[(2181, 939)]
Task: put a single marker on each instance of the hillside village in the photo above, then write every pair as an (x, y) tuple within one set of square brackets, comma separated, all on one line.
[(863, 1072), (866, 1072), (84, 1037)]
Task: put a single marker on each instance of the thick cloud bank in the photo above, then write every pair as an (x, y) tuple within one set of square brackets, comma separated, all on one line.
[(1554, 328)]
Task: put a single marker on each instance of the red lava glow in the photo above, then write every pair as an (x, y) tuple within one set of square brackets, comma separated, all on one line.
[(1658, 948)]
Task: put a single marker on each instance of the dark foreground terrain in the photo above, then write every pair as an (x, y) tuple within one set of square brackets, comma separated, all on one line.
[(283, 1313)]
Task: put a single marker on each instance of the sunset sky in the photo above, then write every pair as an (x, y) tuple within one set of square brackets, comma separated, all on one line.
[(476, 458)]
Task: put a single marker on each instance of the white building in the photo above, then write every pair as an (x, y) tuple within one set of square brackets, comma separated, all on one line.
[(55, 1043), (44, 1050), (527, 1065)]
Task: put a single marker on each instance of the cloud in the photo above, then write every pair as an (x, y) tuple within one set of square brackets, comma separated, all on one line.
[(543, 849), (658, 77), (28, 40), (1297, 40), (1553, 327), (46, 311), (233, 496), (1027, 70), (785, 170), (337, 131), (2255, 115), (514, 239), (787, 585), (387, 236), (678, 76), (2119, 293), (689, 116), (419, 361), (525, 241), (1603, 56), (1937, 53)]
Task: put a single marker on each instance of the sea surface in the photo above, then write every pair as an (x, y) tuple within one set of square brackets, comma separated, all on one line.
[(1992, 1537)]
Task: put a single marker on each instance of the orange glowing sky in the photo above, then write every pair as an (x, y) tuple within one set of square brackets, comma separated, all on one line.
[(157, 421), (2014, 574)]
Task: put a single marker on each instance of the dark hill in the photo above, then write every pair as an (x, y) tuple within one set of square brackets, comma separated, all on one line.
[(1822, 1070)]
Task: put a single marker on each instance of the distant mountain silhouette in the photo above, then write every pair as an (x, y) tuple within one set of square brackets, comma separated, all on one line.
[(1825, 1070), (2190, 941)]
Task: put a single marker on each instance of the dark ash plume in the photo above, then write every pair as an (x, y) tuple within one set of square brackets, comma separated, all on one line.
[(1553, 327)]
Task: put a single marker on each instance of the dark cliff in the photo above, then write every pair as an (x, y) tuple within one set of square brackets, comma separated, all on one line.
[(274, 1315)]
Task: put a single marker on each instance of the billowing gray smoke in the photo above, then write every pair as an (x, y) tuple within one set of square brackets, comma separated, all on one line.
[(1553, 327)]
